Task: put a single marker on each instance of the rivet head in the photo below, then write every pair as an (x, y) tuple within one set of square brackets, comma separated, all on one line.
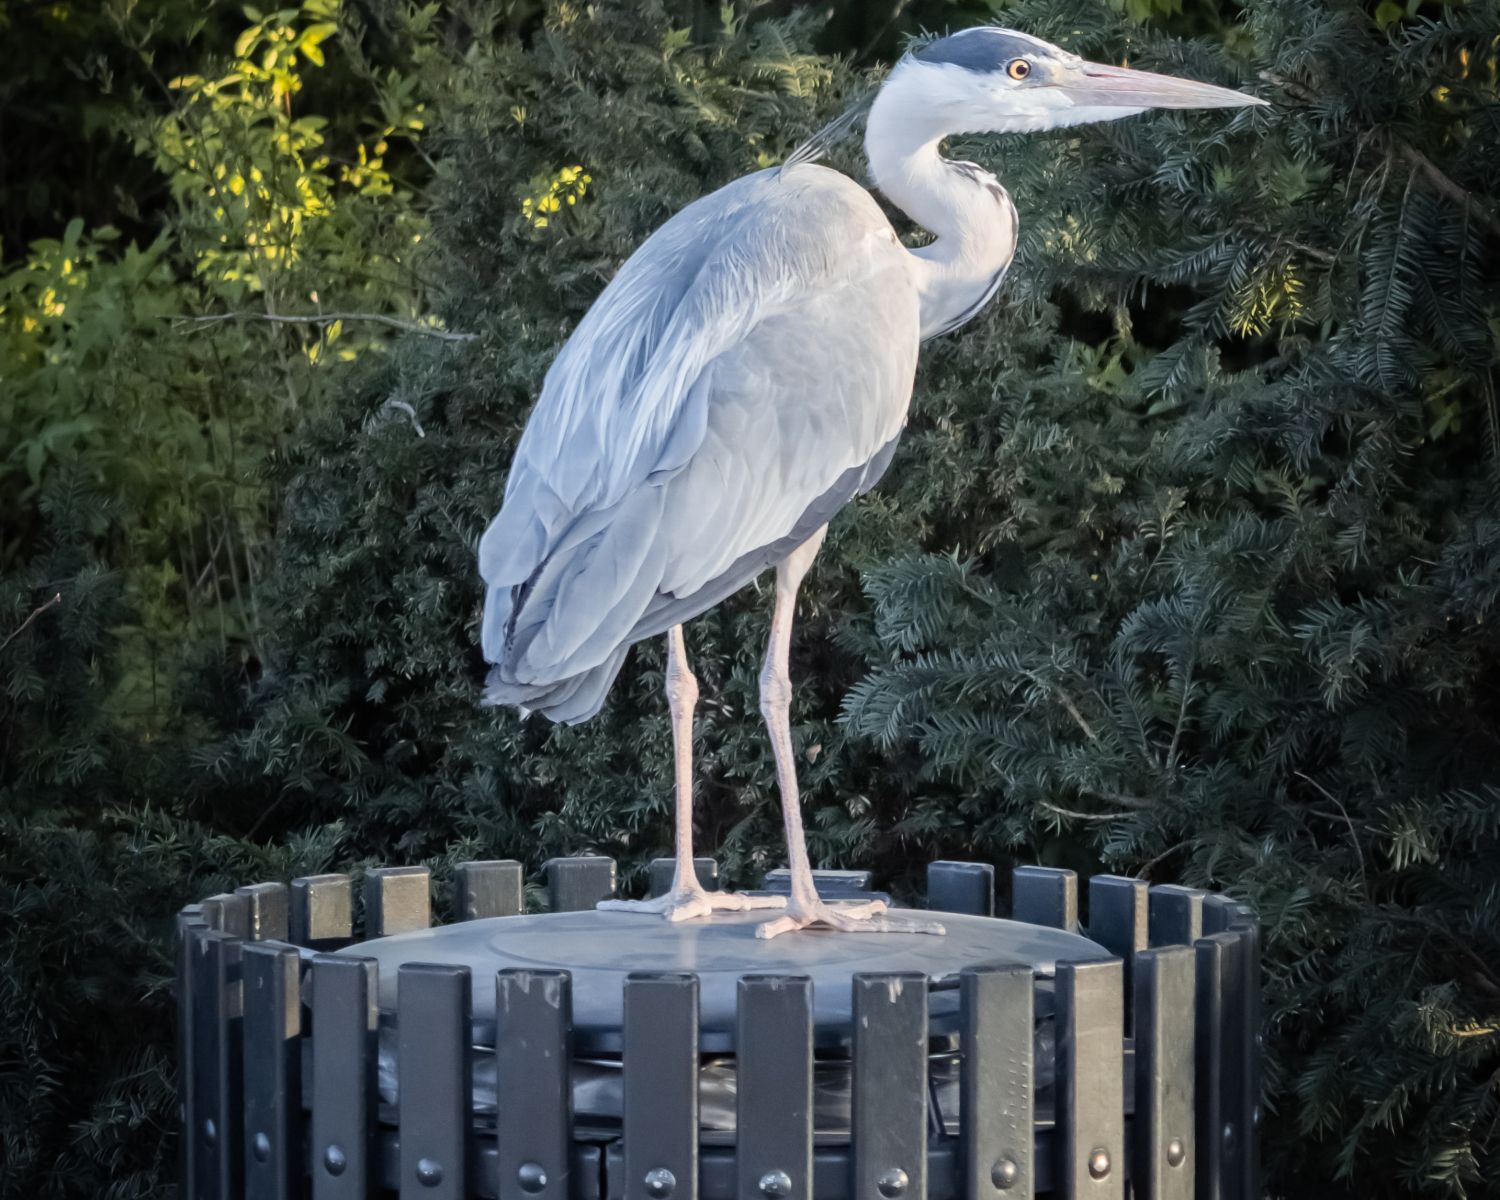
[(1005, 1174), (1228, 1139), (660, 1183), (210, 1131), (334, 1161), (1099, 1163), (892, 1183), (429, 1172), (775, 1184), (1176, 1153), (531, 1177), (262, 1147)]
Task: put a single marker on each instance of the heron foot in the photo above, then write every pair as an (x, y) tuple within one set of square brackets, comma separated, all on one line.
[(867, 916), (690, 903)]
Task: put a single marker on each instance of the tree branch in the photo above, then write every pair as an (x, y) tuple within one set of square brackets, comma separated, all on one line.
[(1444, 184), (35, 613), (444, 335)]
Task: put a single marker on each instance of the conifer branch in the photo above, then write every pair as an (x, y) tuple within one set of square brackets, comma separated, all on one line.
[(1445, 184), (35, 613)]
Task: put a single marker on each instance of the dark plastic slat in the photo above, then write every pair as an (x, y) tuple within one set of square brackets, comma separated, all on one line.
[(397, 900), (434, 1103), (216, 1064), (997, 1083), (273, 1072), (1090, 1080), (1165, 1153), (489, 889), (775, 1114), (345, 1024), (1254, 1049), (661, 1087), (1214, 971), (831, 885), (961, 887), (577, 884), (188, 919), (890, 1087), (229, 913), (1045, 896), (267, 911), (322, 911), (533, 1054), (664, 870), (1176, 915), (1232, 1063), (1118, 922)]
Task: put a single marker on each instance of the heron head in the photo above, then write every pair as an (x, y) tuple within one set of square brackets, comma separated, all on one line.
[(987, 79)]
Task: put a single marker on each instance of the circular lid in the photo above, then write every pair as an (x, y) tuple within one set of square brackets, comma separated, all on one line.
[(599, 949)]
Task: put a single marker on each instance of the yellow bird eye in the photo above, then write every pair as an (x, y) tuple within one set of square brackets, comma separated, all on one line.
[(1018, 68)]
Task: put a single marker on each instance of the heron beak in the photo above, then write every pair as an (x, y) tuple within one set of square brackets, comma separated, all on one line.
[(1096, 85)]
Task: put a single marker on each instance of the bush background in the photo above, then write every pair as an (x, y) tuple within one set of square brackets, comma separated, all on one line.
[(1187, 566)]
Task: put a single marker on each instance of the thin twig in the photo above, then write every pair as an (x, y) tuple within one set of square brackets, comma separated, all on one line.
[(443, 335), (1456, 192), (35, 613), (1082, 816)]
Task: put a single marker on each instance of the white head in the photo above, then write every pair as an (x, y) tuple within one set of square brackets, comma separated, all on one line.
[(990, 80)]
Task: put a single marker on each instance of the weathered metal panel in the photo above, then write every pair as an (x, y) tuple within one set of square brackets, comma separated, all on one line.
[(774, 1048), (434, 1103), (1165, 1159), (533, 1090), (345, 1026), (1176, 915), (1045, 896), (216, 1064), (397, 900), (489, 889), (664, 870), (961, 887), (579, 883), (273, 1072), (322, 911), (266, 911), (661, 1087), (1090, 1080), (997, 1083), (188, 919), (890, 1087)]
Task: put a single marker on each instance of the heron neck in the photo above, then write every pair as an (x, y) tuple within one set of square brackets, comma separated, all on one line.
[(965, 207)]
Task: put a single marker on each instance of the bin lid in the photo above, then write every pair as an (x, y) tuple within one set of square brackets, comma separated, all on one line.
[(600, 949)]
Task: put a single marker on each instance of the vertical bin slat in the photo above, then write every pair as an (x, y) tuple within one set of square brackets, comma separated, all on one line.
[(1090, 1080), (661, 1087), (533, 1087), (961, 887), (1213, 956), (578, 883), (1118, 914), (997, 1083), (397, 900), (273, 1072), (1176, 915), (1165, 1155), (889, 1115), (228, 913), (489, 889), (1232, 1063), (433, 1098), (345, 1026), (774, 1114), (188, 919), (664, 870), (1254, 1041), (216, 1064), (267, 911), (322, 911), (1045, 896)]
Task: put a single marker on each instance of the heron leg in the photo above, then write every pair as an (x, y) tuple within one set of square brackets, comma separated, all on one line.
[(804, 906), (687, 898)]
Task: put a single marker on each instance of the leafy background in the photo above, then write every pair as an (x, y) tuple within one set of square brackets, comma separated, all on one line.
[(1187, 567)]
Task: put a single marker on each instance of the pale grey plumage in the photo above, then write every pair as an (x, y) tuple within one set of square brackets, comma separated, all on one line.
[(743, 376)]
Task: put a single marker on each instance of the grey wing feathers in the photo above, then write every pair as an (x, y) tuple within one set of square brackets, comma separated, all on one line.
[(748, 366)]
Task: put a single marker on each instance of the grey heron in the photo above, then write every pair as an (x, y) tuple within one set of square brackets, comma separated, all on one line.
[(744, 376)]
